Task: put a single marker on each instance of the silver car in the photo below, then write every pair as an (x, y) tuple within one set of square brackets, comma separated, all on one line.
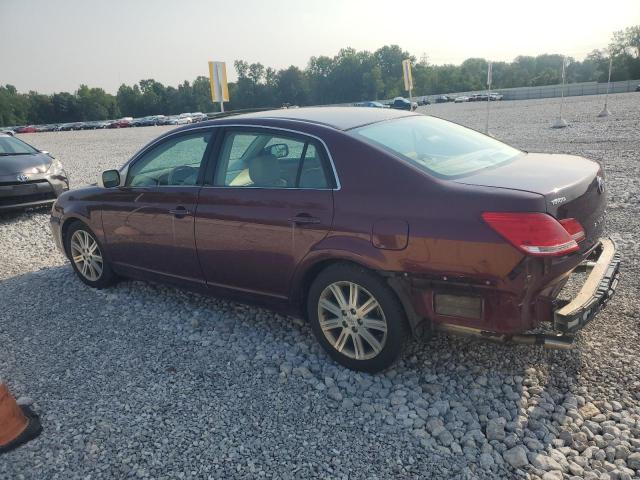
[(28, 177)]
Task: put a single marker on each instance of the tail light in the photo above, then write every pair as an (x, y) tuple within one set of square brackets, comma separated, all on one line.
[(537, 234), (573, 227)]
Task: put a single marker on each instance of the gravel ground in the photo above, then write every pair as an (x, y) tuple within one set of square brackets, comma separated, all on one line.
[(147, 381)]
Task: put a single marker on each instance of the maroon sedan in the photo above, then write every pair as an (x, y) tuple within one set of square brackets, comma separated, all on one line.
[(26, 129), (374, 224)]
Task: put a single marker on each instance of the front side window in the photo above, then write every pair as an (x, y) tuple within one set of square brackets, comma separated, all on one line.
[(436, 146), (14, 146), (175, 162), (265, 160)]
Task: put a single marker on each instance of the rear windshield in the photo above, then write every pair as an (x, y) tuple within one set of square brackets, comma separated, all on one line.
[(13, 146), (436, 146)]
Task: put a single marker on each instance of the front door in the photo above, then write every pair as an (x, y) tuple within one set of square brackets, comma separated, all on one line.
[(269, 203), (149, 222)]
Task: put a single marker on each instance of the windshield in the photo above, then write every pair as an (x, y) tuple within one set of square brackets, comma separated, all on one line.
[(436, 146), (13, 146)]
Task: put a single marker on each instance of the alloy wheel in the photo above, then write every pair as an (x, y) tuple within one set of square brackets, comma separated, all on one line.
[(352, 320), (86, 255)]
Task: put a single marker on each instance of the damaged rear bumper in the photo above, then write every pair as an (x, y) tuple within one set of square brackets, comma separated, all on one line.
[(596, 291), (603, 264)]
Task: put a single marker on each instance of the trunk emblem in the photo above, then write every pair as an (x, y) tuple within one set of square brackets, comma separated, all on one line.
[(558, 201), (600, 181), (22, 178)]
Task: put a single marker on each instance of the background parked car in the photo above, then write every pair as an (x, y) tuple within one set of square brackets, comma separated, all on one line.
[(26, 129), (28, 177), (102, 123), (181, 119), (401, 103), (121, 123), (424, 101), (138, 122), (371, 105), (443, 99), (461, 98), (198, 117), (478, 97)]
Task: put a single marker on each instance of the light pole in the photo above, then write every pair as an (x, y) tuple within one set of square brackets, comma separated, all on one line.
[(605, 112), (561, 122), (489, 75)]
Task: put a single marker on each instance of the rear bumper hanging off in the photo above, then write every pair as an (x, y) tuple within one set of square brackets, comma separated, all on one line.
[(574, 315), (595, 293)]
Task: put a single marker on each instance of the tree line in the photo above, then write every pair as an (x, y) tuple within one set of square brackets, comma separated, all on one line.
[(349, 76)]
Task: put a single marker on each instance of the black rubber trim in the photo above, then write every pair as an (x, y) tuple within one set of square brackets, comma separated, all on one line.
[(34, 428)]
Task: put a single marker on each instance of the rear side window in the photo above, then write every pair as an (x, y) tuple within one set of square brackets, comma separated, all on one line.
[(312, 174), (270, 160), (436, 146)]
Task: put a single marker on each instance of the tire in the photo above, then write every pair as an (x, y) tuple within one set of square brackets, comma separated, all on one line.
[(381, 342), (79, 241)]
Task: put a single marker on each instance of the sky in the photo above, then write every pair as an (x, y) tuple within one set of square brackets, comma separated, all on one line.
[(56, 45)]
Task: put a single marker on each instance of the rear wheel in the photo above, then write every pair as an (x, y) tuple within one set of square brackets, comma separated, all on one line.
[(87, 258), (356, 317)]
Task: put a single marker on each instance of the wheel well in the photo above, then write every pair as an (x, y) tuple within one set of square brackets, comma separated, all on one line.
[(391, 281), (311, 275), (65, 228)]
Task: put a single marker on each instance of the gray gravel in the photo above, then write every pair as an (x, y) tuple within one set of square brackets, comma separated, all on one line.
[(147, 381)]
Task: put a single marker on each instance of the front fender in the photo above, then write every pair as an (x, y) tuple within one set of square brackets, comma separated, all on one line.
[(74, 205)]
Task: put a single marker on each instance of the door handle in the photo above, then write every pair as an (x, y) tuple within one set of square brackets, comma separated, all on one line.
[(304, 219), (179, 212)]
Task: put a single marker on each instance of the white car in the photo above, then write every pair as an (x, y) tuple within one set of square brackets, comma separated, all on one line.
[(181, 119), (462, 98), (198, 117)]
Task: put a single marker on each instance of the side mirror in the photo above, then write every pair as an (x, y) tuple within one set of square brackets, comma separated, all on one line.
[(110, 178), (278, 150)]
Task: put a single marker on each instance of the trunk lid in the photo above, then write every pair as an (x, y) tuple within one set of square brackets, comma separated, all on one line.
[(572, 186)]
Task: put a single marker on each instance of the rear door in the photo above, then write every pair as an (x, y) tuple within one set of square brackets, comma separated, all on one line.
[(268, 203), (149, 223)]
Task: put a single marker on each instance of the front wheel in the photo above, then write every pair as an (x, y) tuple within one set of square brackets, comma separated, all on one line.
[(87, 257), (357, 318)]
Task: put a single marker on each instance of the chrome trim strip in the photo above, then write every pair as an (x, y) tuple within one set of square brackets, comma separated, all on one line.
[(124, 169)]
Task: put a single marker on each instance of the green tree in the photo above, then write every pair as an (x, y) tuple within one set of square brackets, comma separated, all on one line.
[(293, 87)]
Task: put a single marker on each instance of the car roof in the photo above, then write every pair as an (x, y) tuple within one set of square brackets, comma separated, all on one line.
[(340, 118)]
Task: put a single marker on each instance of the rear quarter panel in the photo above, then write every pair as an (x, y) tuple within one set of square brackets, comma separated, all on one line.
[(446, 234), (445, 229)]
